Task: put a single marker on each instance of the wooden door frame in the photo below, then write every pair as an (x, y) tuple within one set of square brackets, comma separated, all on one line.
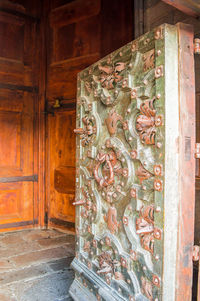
[(41, 122)]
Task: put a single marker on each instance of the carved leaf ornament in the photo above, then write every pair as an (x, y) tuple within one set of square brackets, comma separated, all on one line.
[(145, 123), (110, 75)]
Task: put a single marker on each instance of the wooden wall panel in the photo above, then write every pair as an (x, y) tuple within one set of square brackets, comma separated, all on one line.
[(78, 34), (61, 167), (18, 115)]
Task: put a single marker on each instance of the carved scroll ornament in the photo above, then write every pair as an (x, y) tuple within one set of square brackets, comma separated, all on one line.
[(110, 75), (104, 181), (142, 174), (145, 228), (87, 132), (111, 219), (147, 121), (107, 265)]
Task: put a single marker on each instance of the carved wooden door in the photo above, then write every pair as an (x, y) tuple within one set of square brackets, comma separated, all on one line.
[(135, 171)]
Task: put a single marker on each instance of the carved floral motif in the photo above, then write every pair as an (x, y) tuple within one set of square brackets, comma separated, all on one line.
[(145, 228), (89, 208), (87, 132), (147, 121), (109, 173), (110, 166), (110, 75), (111, 219), (142, 173), (107, 265), (112, 120), (149, 60)]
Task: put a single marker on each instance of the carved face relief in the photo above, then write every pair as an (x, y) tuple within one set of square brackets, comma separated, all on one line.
[(110, 75)]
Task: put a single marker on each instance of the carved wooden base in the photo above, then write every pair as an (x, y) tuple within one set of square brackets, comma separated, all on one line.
[(80, 288)]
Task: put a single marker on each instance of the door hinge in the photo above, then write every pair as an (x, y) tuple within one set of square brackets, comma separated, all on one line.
[(195, 253), (197, 46), (197, 150)]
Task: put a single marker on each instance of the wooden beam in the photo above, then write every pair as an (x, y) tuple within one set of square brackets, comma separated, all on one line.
[(31, 89), (33, 178), (189, 7)]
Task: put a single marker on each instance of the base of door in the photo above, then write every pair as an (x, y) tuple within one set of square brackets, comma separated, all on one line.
[(79, 293), (93, 282)]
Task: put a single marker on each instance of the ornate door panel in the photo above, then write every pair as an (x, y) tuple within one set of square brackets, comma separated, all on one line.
[(135, 140)]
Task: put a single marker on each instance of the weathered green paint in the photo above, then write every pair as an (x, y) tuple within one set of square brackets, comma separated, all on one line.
[(121, 168)]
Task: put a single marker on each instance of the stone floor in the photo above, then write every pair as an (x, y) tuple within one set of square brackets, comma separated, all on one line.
[(35, 265)]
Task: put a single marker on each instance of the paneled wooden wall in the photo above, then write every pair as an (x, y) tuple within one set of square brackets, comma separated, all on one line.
[(78, 33), (18, 115)]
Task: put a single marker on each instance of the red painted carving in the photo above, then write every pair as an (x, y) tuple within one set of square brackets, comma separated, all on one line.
[(149, 60), (110, 166), (111, 219), (88, 206), (147, 288), (86, 246), (145, 122), (110, 75), (158, 170), (142, 174), (103, 181), (106, 264), (112, 120), (145, 228), (156, 280), (87, 132), (158, 185)]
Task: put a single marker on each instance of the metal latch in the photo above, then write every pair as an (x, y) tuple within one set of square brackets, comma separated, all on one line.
[(197, 150), (197, 46), (195, 253)]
